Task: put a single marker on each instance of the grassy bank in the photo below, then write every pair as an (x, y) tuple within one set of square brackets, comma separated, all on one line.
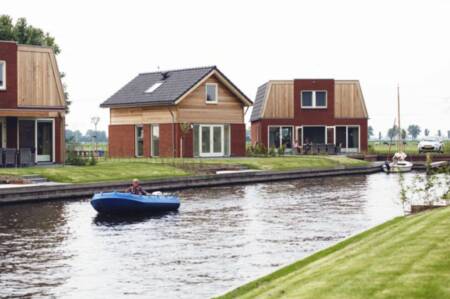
[(376, 147), (144, 169), (407, 257)]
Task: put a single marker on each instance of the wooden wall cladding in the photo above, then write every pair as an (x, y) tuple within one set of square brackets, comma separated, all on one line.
[(39, 83), (194, 109), (142, 115), (280, 100), (349, 100)]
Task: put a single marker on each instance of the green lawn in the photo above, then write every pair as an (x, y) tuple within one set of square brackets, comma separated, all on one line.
[(103, 171), (148, 168), (289, 162), (408, 257)]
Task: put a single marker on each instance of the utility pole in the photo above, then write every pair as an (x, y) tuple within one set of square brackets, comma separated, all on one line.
[(95, 120)]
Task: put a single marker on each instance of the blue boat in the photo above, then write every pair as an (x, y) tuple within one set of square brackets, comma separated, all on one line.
[(128, 203)]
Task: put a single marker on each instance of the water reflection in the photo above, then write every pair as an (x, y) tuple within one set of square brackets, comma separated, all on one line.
[(220, 238), (113, 220)]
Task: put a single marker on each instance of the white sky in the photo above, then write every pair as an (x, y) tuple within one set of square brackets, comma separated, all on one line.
[(106, 43)]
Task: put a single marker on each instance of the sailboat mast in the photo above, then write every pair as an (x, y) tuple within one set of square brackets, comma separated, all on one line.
[(399, 143)]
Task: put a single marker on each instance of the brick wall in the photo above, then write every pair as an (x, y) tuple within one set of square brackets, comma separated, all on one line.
[(166, 140), (147, 140), (121, 141), (188, 143), (255, 134), (59, 140), (8, 53), (237, 140)]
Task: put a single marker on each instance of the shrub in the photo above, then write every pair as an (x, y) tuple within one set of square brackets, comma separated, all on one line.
[(272, 151), (92, 160), (281, 150), (74, 159), (260, 149)]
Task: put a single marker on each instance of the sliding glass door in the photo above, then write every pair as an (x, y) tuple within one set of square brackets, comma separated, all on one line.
[(211, 140), (44, 140), (280, 135), (347, 137)]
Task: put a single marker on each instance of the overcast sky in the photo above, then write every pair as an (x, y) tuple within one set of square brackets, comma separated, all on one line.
[(106, 43)]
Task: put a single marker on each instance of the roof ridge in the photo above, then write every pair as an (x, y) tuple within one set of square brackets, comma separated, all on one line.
[(179, 70)]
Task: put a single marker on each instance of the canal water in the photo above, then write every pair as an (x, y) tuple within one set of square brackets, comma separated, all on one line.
[(220, 238)]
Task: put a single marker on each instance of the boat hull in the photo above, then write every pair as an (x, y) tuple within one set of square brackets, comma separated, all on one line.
[(398, 168), (126, 203)]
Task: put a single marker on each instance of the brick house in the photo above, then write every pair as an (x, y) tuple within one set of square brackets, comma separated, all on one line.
[(32, 103), (310, 111), (195, 112)]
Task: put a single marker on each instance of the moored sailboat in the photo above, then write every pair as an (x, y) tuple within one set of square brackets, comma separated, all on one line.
[(399, 162)]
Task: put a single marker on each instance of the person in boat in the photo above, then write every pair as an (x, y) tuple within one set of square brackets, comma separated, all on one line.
[(135, 188)]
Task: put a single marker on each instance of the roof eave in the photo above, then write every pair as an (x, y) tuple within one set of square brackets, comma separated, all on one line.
[(131, 105)]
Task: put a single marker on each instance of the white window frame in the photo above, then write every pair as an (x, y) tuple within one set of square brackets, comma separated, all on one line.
[(216, 86), (314, 106), (306, 126), (152, 151), (349, 149), (136, 140), (3, 70), (211, 140), (280, 127), (36, 120)]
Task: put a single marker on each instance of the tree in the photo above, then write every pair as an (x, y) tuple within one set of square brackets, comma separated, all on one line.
[(414, 131), (404, 134), (392, 132), (439, 133), (379, 136), (370, 131), (426, 132), (23, 33)]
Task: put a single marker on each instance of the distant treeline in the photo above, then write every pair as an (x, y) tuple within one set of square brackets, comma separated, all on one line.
[(77, 136)]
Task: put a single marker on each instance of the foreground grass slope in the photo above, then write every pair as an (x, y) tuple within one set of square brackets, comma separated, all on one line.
[(144, 169), (408, 257)]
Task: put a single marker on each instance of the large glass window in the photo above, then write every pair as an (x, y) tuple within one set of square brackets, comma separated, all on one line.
[(280, 135), (347, 137), (206, 140), (155, 140), (321, 99), (212, 140), (341, 136), (274, 137), (313, 99), (313, 135), (196, 140), (139, 141), (217, 139), (211, 93), (353, 137), (307, 99), (2, 75), (226, 140), (44, 141)]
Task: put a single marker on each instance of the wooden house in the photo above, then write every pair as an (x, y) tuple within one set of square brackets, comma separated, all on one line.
[(195, 112), (32, 104), (310, 111)]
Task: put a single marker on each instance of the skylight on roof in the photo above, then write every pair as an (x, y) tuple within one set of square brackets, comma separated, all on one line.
[(153, 87)]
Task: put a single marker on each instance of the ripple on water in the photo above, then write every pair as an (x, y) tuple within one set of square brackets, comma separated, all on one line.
[(220, 238)]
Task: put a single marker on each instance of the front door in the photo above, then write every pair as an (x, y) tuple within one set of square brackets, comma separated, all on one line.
[(44, 141), (211, 141)]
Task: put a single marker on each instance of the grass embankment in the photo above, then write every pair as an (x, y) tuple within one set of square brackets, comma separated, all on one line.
[(410, 148), (407, 257), (153, 168)]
